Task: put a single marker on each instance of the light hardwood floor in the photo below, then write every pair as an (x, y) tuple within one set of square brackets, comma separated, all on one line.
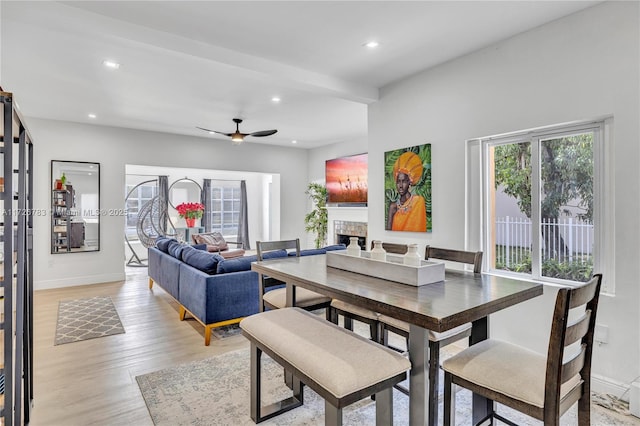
[(93, 382)]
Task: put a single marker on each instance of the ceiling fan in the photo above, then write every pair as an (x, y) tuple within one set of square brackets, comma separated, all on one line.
[(237, 137)]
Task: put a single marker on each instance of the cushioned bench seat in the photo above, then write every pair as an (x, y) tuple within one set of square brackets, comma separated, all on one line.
[(339, 365)]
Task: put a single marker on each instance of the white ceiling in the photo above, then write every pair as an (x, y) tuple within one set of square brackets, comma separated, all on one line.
[(201, 63)]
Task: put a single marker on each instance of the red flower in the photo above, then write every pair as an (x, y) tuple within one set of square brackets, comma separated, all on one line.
[(190, 210)]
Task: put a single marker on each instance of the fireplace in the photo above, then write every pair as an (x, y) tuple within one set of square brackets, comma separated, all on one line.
[(343, 230)]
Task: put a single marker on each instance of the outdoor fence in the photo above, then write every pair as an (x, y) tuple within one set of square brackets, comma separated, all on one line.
[(567, 239)]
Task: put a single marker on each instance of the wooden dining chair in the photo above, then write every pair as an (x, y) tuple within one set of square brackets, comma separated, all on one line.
[(436, 340), (277, 298), (538, 386), (351, 312)]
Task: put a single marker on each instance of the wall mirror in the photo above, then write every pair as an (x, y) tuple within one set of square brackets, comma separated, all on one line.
[(184, 191), (75, 206)]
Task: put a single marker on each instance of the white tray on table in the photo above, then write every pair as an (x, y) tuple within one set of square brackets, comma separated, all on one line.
[(392, 269)]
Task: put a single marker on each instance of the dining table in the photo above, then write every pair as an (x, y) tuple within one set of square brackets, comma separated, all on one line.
[(462, 297)]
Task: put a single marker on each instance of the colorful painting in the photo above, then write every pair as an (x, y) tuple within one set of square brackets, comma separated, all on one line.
[(407, 189), (346, 179)]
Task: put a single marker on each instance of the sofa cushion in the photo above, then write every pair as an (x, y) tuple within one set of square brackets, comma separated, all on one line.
[(175, 249), (214, 241), (309, 252), (202, 260), (244, 263), (163, 243), (323, 250)]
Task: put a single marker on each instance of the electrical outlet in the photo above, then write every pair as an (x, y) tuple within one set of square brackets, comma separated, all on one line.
[(601, 333)]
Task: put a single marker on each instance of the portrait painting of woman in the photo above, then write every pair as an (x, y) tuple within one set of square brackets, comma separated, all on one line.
[(408, 189)]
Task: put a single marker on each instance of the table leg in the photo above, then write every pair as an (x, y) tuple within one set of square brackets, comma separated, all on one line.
[(291, 301), (291, 295), (481, 405), (418, 376)]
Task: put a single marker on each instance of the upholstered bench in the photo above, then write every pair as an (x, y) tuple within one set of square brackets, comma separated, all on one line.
[(339, 365)]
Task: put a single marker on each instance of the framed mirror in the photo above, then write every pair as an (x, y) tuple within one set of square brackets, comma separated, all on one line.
[(75, 207), (184, 191)]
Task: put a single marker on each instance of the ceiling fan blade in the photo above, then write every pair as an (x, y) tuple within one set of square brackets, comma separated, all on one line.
[(214, 131), (263, 133)]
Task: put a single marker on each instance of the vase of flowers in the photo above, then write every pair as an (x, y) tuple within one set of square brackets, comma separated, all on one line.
[(190, 212)]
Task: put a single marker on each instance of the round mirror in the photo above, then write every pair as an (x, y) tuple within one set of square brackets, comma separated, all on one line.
[(184, 191)]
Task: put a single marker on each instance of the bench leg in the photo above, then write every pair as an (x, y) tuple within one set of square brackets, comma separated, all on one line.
[(449, 400), (259, 413), (384, 407), (255, 384), (332, 415)]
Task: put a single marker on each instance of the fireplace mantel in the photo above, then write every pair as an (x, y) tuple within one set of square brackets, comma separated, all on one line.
[(349, 214)]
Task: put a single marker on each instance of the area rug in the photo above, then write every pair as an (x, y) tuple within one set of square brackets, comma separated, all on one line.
[(84, 319), (226, 331), (215, 391)]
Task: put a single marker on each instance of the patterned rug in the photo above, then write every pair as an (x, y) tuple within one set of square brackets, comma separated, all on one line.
[(226, 331), (84, 319), (215, 391)]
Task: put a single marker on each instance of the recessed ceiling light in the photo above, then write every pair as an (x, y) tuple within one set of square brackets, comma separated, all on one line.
[(111, 64), (371, 44), (92, 115), (275, 99), (294, 142)]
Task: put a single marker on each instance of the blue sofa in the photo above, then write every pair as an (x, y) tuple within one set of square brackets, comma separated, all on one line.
[(214, 290)]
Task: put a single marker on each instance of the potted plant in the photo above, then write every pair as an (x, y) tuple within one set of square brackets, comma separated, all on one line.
[(316, 220), (190, 212)]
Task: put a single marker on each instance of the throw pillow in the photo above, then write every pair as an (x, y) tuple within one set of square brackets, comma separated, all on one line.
[(214, 241), (163, 243), (175, 249), (206, 262)]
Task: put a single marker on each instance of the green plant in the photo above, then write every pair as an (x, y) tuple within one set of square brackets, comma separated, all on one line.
[(316, 220)]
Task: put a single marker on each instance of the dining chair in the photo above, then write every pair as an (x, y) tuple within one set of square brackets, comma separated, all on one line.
[(351, 312), (436, 340), (538, 386), (277, 298)]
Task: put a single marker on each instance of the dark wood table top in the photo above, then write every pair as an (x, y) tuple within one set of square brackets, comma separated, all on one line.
[(461, 298)]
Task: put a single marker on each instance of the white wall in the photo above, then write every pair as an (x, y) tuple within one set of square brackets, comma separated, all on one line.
[(580, 67), (113, 148)]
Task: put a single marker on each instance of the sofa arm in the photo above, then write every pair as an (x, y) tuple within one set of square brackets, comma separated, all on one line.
[(215, 298)]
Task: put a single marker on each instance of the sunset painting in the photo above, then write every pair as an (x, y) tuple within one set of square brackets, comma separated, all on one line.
[(346, 179)]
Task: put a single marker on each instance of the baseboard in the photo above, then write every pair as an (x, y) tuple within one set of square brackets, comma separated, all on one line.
[(75, 281), (634, 399), (603, 384)]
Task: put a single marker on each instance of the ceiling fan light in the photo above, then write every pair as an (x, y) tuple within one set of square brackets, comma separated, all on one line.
[(237, 138)]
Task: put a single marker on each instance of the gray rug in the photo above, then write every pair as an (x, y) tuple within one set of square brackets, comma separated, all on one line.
[(226, 331), (215, 391), (84, 319)]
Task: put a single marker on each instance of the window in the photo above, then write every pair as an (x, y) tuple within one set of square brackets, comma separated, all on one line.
[(543, 201), (224, 211), (138, 198)]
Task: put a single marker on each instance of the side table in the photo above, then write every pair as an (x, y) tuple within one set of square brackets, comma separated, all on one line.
[(188, 232)]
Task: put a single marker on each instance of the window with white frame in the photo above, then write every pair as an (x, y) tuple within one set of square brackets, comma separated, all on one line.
[(224, 210), (543, 199), (138, 198)]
